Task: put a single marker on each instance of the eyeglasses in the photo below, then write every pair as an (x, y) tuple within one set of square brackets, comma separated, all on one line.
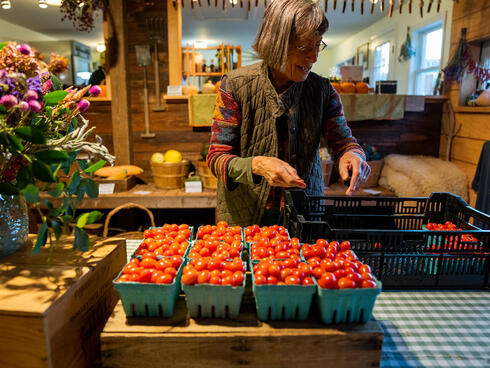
[(307, 49)]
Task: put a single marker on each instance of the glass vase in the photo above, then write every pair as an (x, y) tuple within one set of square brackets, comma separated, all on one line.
[(14, 223)]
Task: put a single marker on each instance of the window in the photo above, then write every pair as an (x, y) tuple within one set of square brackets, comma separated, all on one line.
[(429, 53), (381, 66)]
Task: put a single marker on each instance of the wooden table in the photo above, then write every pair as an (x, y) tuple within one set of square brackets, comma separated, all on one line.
[(185, 342), (54, 305)]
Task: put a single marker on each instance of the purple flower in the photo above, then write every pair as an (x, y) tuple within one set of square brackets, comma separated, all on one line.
[(3, 73), (34, 84), (31, 95), (83, 105), (95, 90), (8, 101), (35, 106), (24, 49), (24, 106)]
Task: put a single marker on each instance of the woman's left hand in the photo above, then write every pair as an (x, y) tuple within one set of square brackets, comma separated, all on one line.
[(354, 163)]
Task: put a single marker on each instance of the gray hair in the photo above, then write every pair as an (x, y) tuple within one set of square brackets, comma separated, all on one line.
[(283, 21)]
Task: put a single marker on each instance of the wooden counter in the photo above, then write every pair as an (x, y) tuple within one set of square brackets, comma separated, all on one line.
[(185, 342), (55, 304)]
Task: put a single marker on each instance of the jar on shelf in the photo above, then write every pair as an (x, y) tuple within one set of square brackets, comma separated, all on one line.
[(212, 68), (204, 67)]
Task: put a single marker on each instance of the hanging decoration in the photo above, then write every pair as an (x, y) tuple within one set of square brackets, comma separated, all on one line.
[(402, 5), (406, 50), (463, 60)]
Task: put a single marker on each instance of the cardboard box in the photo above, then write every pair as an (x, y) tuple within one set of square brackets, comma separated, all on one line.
[(54, 305)]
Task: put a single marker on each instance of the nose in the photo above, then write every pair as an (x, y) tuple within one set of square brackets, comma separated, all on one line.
[(312, 55)]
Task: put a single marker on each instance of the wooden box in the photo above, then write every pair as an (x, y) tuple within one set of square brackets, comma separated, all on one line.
[(183, 342), (54, 305), (122, 185)]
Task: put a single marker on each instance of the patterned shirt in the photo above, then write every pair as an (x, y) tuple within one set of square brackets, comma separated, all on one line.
[(225, 137)]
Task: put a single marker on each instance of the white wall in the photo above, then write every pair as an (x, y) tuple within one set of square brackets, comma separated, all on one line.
[(12, 32), (393, 29)]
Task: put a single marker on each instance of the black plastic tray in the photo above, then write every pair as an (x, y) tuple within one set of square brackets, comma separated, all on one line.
[(387, 234)]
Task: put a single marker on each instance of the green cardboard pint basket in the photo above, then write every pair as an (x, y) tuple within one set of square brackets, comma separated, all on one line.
[(149, 299), (282, 302), (213, 301), (347, 305)]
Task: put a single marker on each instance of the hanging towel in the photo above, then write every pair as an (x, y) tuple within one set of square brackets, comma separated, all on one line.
[(481, 181)]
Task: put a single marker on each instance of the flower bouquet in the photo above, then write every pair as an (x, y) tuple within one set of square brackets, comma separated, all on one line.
[(43, 134)]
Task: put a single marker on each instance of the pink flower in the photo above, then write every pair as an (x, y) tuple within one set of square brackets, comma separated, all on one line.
[(24, 106), (95, 90), (31, 95), (8, 101), (47, 86), (83, 105), (35, 106), (24, 49), (3, 73)]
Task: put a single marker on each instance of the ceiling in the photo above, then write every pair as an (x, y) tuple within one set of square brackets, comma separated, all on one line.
[(206, 23), (28, 14), (238, 26)]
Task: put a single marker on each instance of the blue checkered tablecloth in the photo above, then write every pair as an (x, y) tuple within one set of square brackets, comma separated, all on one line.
[(435, 329)]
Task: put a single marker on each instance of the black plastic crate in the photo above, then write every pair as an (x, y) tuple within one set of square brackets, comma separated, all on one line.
[(386, 233)]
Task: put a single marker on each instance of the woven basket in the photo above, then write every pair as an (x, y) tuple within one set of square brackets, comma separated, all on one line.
[(376, 167), (168, 175), (208, 179)]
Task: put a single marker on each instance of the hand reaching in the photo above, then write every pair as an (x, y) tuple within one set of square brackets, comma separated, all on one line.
[(352, 162), (278, 173)]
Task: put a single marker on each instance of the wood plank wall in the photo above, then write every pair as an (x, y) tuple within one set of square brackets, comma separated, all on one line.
[(171, 126), (474, 126)]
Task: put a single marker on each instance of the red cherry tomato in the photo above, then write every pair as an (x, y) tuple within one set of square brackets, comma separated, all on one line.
[(369, 284), (346, 283)]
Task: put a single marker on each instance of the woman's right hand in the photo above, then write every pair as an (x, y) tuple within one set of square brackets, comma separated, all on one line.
[(278, 173)]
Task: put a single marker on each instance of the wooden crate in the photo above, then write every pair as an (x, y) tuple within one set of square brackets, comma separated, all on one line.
[(184, 342), (54, 306), (119, 185)]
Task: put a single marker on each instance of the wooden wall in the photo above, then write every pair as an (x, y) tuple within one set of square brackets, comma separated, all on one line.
[(473, 122), (171, 126)]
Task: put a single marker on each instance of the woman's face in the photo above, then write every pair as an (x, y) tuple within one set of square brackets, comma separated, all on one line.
[(303, 53)]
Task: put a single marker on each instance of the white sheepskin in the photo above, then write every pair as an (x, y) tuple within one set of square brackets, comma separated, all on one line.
[(419, 176)]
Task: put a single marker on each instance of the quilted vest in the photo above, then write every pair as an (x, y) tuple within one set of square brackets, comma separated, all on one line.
[(260, 107)]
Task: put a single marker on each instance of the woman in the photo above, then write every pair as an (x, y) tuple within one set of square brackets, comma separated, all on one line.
[(269, 117)]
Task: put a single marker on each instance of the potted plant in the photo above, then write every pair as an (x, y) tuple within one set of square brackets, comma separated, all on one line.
[(43, 134)]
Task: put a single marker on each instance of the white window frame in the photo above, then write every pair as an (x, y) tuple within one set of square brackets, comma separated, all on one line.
[(418, 37), (378, 40)]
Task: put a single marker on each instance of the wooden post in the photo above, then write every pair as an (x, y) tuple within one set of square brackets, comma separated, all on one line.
[(121, 115), (174, 27)]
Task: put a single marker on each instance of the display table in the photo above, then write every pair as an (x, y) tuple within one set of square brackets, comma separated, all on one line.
[(184, 342), (54, 305)]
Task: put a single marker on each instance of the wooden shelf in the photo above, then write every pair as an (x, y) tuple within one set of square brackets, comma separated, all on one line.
[(472, 109), (216, 74), (176, 99)]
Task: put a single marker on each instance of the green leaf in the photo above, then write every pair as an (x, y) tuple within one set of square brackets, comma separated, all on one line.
[(15, 142), (56, 190), (83, 164), (2, 45), (56, 83), (31, 193), (8, 189), (3, 110), (57, 229), (24, 177), (52, 156), (74, 182), (82, 241), (88, 218), (91, 188), (53, 98), (42, 172), (65, 166), (41, 238), (69, 207), (95, 167), (66, 219), (31, 134), (82, 189)]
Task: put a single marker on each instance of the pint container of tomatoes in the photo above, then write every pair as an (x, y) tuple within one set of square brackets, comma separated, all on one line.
[(150, 287), (283, 288), (347, 289), (214, 287)]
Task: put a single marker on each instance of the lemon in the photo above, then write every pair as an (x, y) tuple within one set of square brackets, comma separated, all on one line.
[(172, 156), (157, 158)]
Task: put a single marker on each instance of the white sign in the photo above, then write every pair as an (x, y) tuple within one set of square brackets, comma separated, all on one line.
[(107, 188), (193, 186), (174, 90)]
